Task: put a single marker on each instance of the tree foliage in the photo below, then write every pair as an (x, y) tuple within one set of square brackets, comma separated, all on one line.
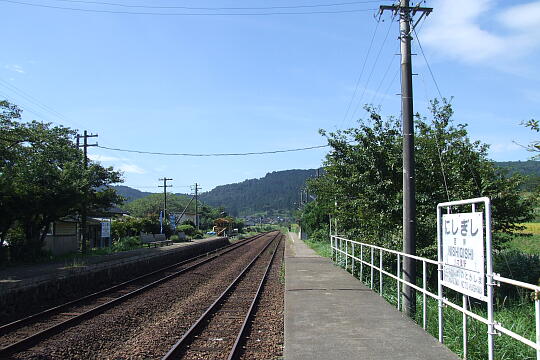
[(42, 179), (363, 176), (153, 204)]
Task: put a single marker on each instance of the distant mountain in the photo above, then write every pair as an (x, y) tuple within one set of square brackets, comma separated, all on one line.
[(276, 192), (279, 191), (129, 193), (530, 167)]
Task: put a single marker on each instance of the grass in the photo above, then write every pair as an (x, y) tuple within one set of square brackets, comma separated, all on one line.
[(529, 239), (320, 247), (517, 316)]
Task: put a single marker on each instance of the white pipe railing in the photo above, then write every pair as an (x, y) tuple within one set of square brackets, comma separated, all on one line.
[(340, 250)]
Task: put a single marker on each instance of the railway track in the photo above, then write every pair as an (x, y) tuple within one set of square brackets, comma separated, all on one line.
[(24, 333), (220, 331)]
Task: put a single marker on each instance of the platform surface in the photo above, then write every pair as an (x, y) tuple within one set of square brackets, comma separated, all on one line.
[(15, 277), (331, 315)]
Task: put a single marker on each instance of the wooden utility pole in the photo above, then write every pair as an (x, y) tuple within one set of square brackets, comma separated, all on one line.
[(84, 212), (409, 190), (164, 186)]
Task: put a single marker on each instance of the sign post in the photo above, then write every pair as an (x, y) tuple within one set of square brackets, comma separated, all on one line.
[(105, 231), (463, 253), (465, 259)]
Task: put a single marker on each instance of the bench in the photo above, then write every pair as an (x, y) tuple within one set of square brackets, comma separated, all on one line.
[(148, 239), (162, 240)]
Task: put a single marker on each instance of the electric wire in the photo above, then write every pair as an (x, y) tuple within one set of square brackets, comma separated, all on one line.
[(376, 94), (186, 13), (35, 102), (373, 68), (427, 63), (26, 108), (361, 74), (213, 154), (218, 8)]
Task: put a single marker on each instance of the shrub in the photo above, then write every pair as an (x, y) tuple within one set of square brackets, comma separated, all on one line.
[(189, 230), (519, 266), (126, 243)]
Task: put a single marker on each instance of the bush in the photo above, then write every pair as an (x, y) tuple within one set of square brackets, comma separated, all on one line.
[(126, 243), (189, 230), (519, 266), (320, 235)]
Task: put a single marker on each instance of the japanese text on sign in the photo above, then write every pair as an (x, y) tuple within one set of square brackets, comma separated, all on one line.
[(463, 253), (105, 229)]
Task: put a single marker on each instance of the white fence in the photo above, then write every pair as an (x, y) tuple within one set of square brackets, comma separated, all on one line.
[(352, 255)]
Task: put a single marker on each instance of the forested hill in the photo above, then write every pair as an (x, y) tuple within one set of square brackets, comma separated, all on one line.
[(129, 193), (278, 190), (528, 168)]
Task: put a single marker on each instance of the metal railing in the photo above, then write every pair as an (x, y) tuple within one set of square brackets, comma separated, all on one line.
[(351, 254)]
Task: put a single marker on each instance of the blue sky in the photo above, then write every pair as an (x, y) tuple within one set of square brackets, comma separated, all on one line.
[(211, 84)]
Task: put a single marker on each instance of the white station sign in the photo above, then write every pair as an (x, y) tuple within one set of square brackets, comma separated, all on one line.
[(105, 229), (463, 253)]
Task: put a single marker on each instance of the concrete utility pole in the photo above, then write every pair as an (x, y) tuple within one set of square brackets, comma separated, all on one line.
[(84, 215), (164, 186), (197, 188), (409, 200)]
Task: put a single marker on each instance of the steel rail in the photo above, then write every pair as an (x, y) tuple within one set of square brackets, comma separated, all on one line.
[(234, 353), (38, 336), (179, 346), (4, 329)]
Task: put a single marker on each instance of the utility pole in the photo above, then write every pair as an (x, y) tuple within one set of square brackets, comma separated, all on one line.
[(164, 186), (197, 188), (409, 190), (84, 227)]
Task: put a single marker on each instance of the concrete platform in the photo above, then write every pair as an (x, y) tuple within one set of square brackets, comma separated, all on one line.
[(331, 315), (22, 288)]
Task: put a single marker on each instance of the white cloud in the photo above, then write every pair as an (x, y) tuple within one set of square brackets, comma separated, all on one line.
[(504, 147), (97, 157), (15, 68), (131, 168), (455, 29), (521, 17)]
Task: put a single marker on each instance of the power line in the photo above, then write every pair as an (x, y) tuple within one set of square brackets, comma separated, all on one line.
[(427, 63), (361, 74), (373, 68), (376, 93), (34, 101), (214, 154), (185, 14), (218, 8)]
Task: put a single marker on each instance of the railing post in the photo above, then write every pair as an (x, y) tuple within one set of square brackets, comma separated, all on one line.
[(537, 313), (440, 277), (398, 282), (380, 273), (346, 254), (424, 296), (465, 327), (361, 262), (340, 251), (371, 268), (490, 284), (352, 260), (332, 247)]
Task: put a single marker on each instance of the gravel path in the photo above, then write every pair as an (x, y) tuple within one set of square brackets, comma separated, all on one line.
[(147, 325), (265, 336)]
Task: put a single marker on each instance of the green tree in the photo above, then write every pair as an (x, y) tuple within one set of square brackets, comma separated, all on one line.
[(363, 176), (153, 204), (42, 180)]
